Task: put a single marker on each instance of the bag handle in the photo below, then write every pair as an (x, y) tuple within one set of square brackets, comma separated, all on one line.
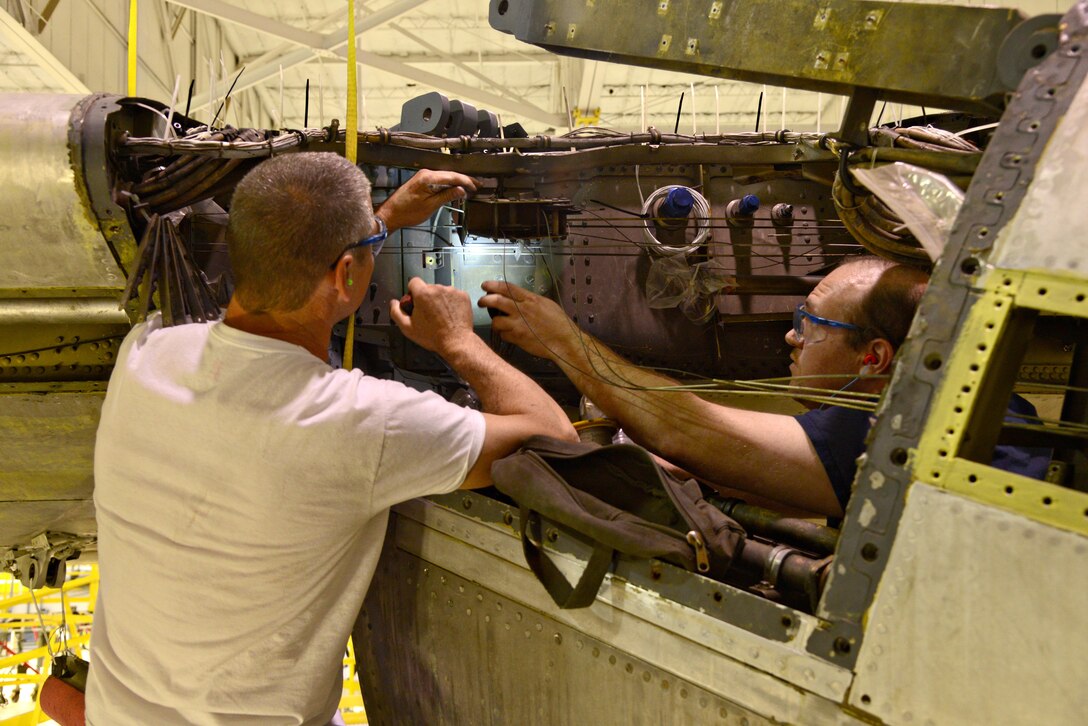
[(554, 581)]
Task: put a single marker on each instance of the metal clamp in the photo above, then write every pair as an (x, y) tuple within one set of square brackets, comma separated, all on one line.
[(774, 565)]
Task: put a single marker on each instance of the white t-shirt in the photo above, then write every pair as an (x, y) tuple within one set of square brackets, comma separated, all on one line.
[(242, 489)]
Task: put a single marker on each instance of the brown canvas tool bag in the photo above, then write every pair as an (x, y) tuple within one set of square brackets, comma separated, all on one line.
[(620, 500)]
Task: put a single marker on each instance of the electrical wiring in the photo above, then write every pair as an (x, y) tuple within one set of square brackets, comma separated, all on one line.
[(700, 212), (275, 142)]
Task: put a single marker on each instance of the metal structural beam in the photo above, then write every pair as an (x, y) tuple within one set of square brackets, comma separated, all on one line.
[(272, 63), (16, 38), (465, 68), (491, 101), (941, 56), (589, 86), (253, 21)]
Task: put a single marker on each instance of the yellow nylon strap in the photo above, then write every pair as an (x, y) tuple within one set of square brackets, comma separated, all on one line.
[(351, 151), (132, 47)]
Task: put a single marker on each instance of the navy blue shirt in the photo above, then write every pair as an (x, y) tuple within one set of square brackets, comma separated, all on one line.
[(838, 435)]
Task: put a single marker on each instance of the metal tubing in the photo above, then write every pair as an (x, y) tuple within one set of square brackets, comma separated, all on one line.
[(800, 533)]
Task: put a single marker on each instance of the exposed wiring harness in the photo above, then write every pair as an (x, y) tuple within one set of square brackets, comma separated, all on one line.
[(866, 217)]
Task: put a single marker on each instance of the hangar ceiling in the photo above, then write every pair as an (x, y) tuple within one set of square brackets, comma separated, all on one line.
[(271, 49)]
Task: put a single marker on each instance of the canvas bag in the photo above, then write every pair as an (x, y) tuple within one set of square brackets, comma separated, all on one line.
[(618, 498)]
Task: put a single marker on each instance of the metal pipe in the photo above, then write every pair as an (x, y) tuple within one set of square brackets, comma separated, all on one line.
[(808, 536)]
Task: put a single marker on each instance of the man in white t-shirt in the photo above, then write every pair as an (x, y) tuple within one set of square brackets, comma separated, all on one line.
[(243, 485)]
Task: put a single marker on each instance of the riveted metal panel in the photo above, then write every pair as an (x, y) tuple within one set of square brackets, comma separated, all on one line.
[(874, 515), (937, 459), (453, 594), (50, 244), (833, 46), (1053, 210), (47, 462), (979, 620)]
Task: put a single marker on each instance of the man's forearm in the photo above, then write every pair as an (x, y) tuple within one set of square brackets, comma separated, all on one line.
[(767, 454), (503, 389), (618, 388)]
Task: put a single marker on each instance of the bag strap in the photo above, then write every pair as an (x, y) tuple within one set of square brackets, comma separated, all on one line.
[(555, 582)]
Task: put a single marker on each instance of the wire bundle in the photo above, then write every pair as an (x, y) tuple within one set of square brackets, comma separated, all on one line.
[(867, 218), (700, 211)]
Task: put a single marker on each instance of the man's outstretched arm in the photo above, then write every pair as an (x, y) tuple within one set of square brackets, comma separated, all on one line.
[(763, 453), (515, 407)]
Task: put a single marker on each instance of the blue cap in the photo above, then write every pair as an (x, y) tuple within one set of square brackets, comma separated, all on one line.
[(749, 203), (678, 203)]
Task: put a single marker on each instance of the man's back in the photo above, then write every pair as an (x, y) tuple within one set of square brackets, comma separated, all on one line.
[(242, 492)]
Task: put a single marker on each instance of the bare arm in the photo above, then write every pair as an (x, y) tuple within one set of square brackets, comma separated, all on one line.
[(763, 453), (515, 407), (419, 197)]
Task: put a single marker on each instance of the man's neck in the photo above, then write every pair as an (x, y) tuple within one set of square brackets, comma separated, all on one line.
[(300, 327)]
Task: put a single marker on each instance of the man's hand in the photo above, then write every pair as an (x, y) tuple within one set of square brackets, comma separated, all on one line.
[(533, 323), (419, 197), (441, 317)]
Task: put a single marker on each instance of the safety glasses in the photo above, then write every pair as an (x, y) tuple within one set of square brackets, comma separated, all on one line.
[(800, 315), (374, 242)]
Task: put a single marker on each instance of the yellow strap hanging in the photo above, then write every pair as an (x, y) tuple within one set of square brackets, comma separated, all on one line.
[(132, 47), (351, 151)]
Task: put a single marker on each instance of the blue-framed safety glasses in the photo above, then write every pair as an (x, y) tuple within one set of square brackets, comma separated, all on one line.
[(800, 315), (374, 242)]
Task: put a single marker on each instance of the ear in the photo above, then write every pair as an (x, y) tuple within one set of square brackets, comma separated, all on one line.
[(877, 357), (343, 277)]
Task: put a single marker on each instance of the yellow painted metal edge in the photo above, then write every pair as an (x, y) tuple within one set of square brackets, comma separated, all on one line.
[(1002, 292)]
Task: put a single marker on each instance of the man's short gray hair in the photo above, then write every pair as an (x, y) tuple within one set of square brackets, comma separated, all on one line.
[(289, 219)]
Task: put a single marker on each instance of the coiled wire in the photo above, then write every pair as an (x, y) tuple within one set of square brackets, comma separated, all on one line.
[(700, 211)]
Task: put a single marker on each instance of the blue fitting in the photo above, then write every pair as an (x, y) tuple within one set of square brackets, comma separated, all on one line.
[(749, 203), (678, 204)]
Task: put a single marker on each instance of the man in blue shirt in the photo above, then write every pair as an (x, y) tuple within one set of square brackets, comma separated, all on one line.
[(845, 337)]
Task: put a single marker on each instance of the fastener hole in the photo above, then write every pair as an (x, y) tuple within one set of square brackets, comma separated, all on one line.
[(1042, 291), (869, 552), (1050, 92), (983, 232), (958, 409), (503, 7), (972, 478), (717, 597), (1038, 51), (1080, 297), (970, 266), (842, 645), (966, 389), (982, 346), (1047, 501), (974, 367), (787, 621), (933, 361), (899, 456), (1009, 490), (865, 699)]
